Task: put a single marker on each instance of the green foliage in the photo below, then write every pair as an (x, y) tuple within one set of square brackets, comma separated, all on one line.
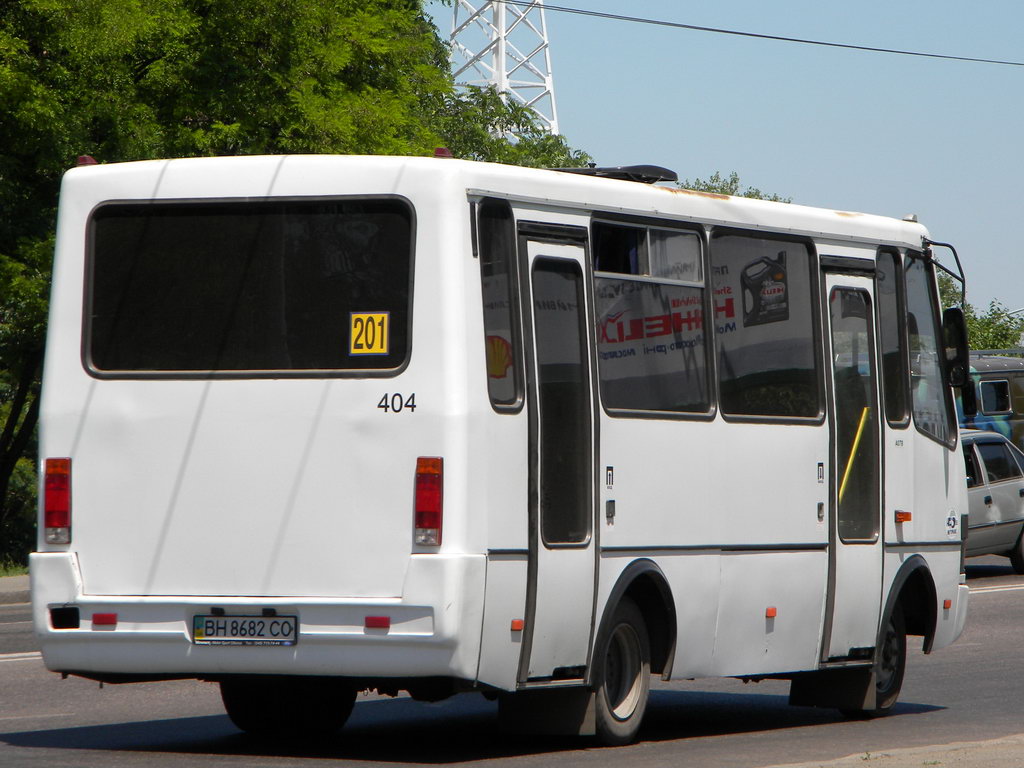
[(12, 569), (478, 123), (18, 526), (995, 329), (138, 79), (730, 186)]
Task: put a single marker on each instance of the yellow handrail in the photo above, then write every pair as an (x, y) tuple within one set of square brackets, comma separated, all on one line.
[(853, 451)]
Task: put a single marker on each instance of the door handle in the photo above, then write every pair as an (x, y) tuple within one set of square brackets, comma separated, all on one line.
[(1021, 492), (988, 500)]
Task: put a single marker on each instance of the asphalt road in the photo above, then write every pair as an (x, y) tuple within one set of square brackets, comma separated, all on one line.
[(970, 691)]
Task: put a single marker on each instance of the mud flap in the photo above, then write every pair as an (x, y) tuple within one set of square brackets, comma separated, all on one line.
[(846, 689), (549, 712)]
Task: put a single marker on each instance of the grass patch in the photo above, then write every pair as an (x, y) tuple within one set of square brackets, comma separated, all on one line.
[(11, 569)]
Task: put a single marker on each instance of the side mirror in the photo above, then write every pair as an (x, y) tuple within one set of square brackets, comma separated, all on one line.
[(957, 356)]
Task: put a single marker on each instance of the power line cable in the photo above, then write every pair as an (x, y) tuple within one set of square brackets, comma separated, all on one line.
[(759, 36)]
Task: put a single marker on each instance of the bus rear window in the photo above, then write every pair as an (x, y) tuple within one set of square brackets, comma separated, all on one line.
[(234, 287)]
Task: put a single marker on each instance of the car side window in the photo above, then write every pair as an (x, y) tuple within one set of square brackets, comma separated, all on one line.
[(999, 463), (971, 464)]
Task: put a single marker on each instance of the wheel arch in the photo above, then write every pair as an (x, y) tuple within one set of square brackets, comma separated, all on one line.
[(914, 588), (643, 582)]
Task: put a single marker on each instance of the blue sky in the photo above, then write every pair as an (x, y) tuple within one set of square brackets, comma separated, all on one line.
[(851, 130)]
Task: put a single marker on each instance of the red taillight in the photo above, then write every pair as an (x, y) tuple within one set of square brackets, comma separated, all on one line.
[(429, 493), (57, 501)]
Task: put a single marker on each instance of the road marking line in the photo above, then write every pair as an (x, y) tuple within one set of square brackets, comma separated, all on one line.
[(12, 623), (27, 656), (33, 717), (1009, 588)]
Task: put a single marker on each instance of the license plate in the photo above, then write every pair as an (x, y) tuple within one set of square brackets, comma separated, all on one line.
[(245, 630)]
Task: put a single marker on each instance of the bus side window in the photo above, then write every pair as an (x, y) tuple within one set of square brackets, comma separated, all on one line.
[(765, 330), (995, 397), (889, 297), (932, 403), (496, 242), (649, 300)]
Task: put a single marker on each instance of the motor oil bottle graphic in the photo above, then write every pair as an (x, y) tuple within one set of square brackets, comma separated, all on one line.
[(765, 290)]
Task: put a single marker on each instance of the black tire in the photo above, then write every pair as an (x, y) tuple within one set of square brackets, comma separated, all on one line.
[(622, 676), (288, 706), (891, 663), (1017, 555)]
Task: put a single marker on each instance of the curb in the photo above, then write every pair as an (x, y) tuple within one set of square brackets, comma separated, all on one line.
[(963, 754), (10, 598), (14, 589)]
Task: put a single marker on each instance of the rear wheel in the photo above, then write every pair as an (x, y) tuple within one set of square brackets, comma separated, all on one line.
[(622, 676), (288, 706)]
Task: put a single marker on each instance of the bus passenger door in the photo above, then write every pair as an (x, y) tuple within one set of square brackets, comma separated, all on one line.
[(560, 403), (855, 539)]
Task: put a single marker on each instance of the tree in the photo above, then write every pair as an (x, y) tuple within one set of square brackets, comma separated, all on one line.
[(715, 184), (137, 79), (477, 124), (996, 329)]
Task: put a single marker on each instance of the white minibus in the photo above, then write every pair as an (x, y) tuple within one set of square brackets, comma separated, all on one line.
[(315, 425)]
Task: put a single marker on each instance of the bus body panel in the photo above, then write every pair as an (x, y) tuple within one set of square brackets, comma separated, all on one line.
[(998, 378), (504, 605)]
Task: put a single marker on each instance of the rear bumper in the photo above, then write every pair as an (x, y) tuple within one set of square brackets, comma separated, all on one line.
[(434, 628)]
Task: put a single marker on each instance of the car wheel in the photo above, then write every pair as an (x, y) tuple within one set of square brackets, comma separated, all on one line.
[(1017, 555), (288, 706), (622, 676)]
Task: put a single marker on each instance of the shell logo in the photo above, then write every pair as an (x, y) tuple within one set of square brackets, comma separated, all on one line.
[(499, 357)]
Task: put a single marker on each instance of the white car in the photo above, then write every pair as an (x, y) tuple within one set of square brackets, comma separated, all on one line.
[(995, 490)]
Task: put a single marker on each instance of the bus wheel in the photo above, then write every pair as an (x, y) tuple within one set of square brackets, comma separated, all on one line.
[(890, 664), (622, 676), (288, 706), (1017, 555)]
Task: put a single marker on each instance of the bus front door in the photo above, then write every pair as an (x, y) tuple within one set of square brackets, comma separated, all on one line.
[(560, 403), (855, 545)]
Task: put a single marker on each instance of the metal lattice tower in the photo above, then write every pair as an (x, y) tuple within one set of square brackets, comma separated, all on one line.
[(505, 45)]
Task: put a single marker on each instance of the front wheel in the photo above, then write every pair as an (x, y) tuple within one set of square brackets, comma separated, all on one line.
[(288, 706), (622, 676), (890, 664)]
